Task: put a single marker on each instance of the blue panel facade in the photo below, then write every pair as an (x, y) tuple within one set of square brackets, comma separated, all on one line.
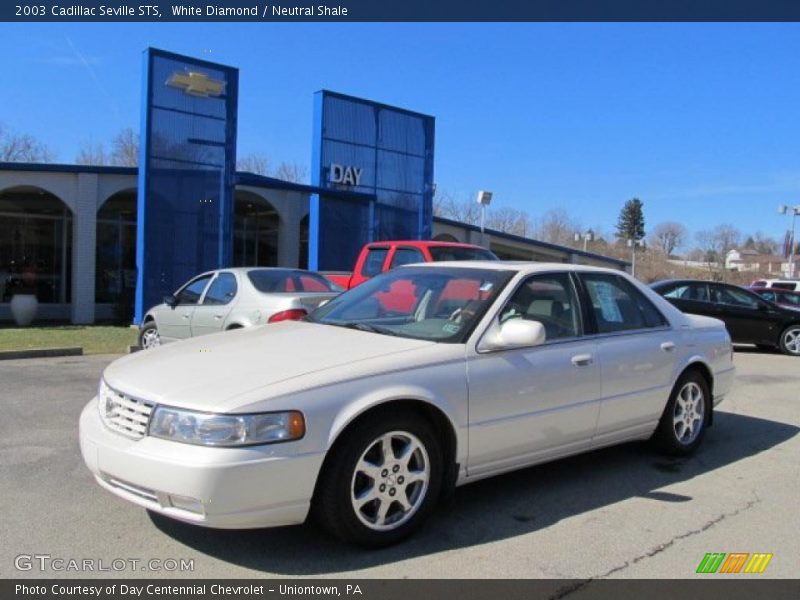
[(186, 172), (366, 148)]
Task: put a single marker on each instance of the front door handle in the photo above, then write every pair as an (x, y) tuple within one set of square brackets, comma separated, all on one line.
[(668, 346), (187, 315), (582, 360)]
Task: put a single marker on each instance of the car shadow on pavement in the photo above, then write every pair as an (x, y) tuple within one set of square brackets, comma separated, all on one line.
[(502, 507)]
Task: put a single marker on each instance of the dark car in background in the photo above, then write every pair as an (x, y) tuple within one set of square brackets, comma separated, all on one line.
[(749, 318), (785, 298)]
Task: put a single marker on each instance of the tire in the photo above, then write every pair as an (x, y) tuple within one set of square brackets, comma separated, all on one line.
[(685, 418), (790, 340), (149, 336), (368, 498)]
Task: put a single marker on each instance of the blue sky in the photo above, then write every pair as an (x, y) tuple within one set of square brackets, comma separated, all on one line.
[(700, 121)]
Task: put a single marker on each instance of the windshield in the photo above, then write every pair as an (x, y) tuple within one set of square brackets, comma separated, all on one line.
[(441, 304), (445, 253)]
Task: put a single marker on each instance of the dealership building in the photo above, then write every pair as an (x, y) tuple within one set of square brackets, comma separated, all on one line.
[(91, 241)]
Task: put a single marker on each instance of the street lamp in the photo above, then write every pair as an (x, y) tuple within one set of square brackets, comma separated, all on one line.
[(632, 244), (587, 236), (782, 210), (484, 199)]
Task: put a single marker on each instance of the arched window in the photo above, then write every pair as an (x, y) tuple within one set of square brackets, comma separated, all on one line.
[(115, 259), (35, 245), (255, 231)]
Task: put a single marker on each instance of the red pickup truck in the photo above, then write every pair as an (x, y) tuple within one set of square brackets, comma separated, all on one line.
[(378, 257)]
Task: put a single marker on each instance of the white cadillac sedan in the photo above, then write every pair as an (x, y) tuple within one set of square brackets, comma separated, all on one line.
[(384, 399)]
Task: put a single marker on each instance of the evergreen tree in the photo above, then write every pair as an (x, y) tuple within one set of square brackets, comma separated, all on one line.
[(630, 225)]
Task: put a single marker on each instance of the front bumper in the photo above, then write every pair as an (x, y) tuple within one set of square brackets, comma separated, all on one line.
[(231, 488)]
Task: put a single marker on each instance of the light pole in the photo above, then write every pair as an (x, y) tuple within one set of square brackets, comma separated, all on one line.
[(632, 243), (587, 236), (782, 210), (484, 199)]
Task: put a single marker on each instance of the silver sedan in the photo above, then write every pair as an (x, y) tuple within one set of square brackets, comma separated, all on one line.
[(234, 298)]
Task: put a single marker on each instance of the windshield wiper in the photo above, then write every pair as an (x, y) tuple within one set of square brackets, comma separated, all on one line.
[(366, 327)]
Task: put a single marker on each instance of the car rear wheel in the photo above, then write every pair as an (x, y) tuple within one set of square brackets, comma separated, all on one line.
[(790, 340), (149, 336), (683, 423), (382, 481)]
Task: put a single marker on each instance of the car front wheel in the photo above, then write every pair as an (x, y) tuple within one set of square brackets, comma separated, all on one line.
[(382, 482), (683, 423), (149, 336), (790, 340)]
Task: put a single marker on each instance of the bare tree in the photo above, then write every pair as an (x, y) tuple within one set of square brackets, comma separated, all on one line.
[(717, 242), (125, 148), (668, 236), (91, 154), (509, 220), (557, 227), (763, 244), (464, 210), (291, 172), (21, 147), (254, 163)]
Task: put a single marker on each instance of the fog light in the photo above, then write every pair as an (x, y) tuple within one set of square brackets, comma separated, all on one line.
[(186, 503)]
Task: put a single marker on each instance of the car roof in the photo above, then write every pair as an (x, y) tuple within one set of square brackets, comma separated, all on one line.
[(426, 244), (525, 266)]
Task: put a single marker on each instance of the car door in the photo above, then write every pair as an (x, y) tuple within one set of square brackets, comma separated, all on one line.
[(211, 314), (637, 351), (174, 323), (528, 402), (749, 319)]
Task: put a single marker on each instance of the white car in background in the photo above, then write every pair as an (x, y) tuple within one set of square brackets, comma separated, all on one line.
[(379, 402), (232, 298)]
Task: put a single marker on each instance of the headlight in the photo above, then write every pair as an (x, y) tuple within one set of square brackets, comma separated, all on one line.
[(104, 400), (209, 429)]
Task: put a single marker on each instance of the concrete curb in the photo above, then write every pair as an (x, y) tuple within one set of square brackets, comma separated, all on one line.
[(41, 353)]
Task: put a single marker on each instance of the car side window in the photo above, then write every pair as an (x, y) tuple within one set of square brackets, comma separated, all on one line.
[(550, 299), (618, 305), (406, 256), (697, 292), (192, 292), (222, 290), (767, 295), (374, 261), (733, 297)]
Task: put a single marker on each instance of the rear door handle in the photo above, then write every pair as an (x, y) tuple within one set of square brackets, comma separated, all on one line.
[(668, 346), (582, 360), (217, 317)]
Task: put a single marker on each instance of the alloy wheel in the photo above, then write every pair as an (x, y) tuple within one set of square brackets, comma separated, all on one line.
[(791, 340), (390, 480), (689, 413)]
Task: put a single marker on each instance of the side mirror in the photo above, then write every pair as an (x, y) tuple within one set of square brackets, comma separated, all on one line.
[(171, 301), (515, 333)]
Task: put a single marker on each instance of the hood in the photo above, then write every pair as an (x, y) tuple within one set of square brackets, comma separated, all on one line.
[(209, 372)]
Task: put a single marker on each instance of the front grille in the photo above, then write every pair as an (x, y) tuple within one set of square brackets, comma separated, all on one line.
[(126, 415)]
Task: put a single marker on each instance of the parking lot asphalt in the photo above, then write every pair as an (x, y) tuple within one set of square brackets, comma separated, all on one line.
[(620, 512)]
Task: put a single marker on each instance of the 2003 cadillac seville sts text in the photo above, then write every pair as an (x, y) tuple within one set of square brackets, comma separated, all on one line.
[(421, 379)]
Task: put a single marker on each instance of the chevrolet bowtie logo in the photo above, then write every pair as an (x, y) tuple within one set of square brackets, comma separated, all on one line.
[(196, 84)]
